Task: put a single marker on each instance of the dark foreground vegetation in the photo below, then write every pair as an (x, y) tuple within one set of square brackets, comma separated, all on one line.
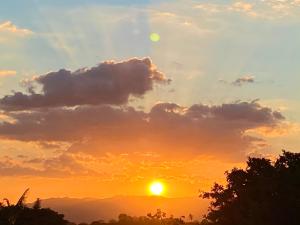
[(20, 214), (265, 193), (159, 218)]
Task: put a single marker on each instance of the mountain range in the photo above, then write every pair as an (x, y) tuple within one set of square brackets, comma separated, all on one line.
[(90, 209)]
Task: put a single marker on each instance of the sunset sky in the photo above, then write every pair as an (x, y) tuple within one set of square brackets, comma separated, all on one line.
[(101, 98)]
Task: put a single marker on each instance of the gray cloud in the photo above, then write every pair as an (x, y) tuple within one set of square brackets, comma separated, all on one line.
[(107, 83), (243, 80), (87, 111), (67, 124), (167, 128)]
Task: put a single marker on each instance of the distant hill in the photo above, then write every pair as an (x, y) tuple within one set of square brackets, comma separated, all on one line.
[(87, 210)]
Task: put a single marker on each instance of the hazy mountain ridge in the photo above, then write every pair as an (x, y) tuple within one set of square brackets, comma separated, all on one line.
[(89, 209)]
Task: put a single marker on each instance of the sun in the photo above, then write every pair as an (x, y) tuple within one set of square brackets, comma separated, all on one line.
[(156, 188)]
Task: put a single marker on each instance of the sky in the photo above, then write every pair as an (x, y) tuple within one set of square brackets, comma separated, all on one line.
[(92, 106)]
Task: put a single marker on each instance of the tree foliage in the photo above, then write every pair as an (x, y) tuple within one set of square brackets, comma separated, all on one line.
[(157, 218), (265, 193), (20, 214)]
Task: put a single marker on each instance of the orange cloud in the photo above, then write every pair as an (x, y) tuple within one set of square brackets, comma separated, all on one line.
[(166, 129), (10, 32), (7, 73), (242, 6), (282, 129), (9, 27)]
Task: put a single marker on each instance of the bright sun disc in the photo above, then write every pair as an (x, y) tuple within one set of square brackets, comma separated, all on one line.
[(156, 188)]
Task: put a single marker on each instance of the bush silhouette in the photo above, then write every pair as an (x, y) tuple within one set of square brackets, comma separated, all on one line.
[(265, 193), (20, 214)]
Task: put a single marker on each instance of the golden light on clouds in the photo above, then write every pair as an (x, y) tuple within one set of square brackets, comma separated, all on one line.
[(8, 26), (7, 73)]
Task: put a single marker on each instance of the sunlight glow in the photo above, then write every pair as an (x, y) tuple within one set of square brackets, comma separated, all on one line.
[(156, 188)]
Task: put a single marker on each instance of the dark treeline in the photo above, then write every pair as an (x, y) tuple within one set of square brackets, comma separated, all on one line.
[(159, 218), (265, 193), (20, 214)]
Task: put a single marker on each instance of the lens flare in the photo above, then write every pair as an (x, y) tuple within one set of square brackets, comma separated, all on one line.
[(154, 37)]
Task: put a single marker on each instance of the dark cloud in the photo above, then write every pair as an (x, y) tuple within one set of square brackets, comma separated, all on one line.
[(107, 83), (100, 122), (243, 80), (68, 124), (167, 128)]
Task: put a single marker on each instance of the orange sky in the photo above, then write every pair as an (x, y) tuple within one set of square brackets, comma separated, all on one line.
[(180, 178)]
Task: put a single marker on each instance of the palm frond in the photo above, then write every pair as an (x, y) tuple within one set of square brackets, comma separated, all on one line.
[(22, 199)]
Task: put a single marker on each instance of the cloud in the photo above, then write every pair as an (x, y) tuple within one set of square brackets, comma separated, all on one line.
[(209, 8), (9, 32), (167, 129), (63, 165), (258, 9), (284, 129), (67, 124), (239, 81), (242, 6), (8, 26), (7, 73), (123, 167), (243, 80), (108, 83), (87, 111)]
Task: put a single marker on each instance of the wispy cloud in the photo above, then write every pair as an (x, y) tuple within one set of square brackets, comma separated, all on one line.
[(243, 80), (247, 79), (10, 32), (7, 73), (9, 27), (264, 9)]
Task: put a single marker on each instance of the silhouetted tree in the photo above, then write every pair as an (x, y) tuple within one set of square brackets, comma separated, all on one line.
[(37, 204), (265, 193), (20, 214)]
